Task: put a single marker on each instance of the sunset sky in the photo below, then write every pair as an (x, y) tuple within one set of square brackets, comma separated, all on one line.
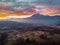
[(27, 8)]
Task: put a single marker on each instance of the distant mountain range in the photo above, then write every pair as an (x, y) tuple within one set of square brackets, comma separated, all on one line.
[(47, 20), (40, 20), (40, 16), (35, 20)]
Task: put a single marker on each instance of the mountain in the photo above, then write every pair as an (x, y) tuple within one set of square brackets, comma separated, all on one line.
[(36, 16), (46, 20), (40, 16), (39, 19)]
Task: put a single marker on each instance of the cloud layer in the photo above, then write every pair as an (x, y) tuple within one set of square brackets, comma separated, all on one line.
[(27, 8)]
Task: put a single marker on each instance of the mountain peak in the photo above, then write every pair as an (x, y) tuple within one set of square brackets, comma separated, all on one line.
[(35, 16), (38, 14)]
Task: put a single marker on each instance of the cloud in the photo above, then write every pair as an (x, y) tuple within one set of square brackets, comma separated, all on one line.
[(7, 3), (25, 8), (25, 0), (7, 15), (47, 9), (17, 14)]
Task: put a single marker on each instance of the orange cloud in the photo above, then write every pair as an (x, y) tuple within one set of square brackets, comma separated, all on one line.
[(6, 12), (51, 12), (7, 15)]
